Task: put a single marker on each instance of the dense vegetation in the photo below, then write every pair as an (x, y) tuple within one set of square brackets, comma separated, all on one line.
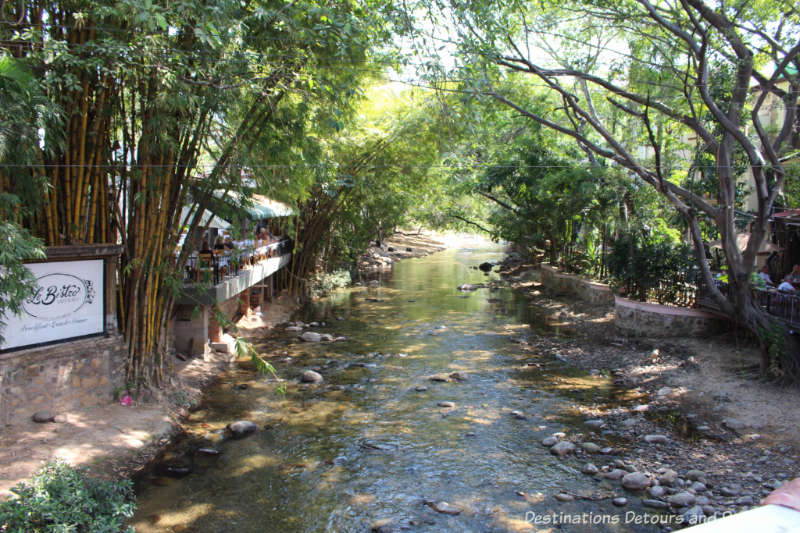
[(61, 498), (600, 136)]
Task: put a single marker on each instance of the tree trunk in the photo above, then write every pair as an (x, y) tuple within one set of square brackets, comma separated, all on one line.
[(779, 344)]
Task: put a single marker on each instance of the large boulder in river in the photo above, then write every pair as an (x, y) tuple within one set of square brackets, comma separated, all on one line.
[(241, 428), (486, 267), (310, 336), (562, 448), (635, 481), (309, 376)]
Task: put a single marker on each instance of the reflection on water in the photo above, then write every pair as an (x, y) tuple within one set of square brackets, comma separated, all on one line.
[(375, 442)]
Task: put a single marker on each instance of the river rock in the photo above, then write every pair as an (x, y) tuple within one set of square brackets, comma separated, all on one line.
[(444, 508), (549, 441), (42, 417), (208, 452), (698, 486), (682, 499), (241, 428), (668, 477), (562, 448), (590, 469), (620, 502), (564, 497), (440, 378), (310, 336), (294, 328), (729, 491), (309, 376), (519, 415), (615, 474), (656, 439), (694, 515), (383, 526), (657, 491), (486, 266), (448, 405), (590, 447), (326, 337), (420, 388), (595, 423), (745, 500), (732, 423), (654, 504), (466, 287), (635, 481), (459, 376), (695, 475), (173, 470)]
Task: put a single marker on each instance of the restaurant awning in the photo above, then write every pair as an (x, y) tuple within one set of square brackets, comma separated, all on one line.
[(216, 222), (257, 206), (790, 213)]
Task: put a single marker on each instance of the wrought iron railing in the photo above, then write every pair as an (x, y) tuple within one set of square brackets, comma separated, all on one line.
[(215, 267)]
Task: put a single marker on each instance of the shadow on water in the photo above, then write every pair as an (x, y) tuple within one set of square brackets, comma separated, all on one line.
[(434, 396)]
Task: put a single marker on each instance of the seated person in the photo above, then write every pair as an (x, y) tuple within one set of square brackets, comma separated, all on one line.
[(228, 244), (218, 245), (795, 275), (786, 284), (764, 274), (204, 247)]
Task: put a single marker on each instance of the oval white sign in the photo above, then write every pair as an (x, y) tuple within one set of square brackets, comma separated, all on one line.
[(57, 296)]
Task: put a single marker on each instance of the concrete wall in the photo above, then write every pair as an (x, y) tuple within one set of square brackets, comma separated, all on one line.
[(561, 283), (653, 320), (60, 377)]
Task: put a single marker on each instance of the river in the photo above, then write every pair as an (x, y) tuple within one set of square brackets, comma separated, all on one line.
[(377, 440)]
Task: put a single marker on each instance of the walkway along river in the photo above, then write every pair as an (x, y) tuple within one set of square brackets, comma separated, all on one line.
[(431, 407)]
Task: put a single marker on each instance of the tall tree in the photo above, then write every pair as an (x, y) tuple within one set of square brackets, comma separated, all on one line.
[(639, 84), (156, 106)]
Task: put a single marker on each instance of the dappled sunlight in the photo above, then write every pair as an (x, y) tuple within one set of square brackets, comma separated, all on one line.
[(427, 399)]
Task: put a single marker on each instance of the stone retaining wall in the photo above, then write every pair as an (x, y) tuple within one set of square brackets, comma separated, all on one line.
[(561, 283), (637, 319), (60, 377), (653, 320)]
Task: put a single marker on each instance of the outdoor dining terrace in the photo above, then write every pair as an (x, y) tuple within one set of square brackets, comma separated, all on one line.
[(784, 305), (215, 266)]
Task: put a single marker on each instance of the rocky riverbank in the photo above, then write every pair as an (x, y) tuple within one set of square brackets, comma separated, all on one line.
[(690, 436), (120, 440)]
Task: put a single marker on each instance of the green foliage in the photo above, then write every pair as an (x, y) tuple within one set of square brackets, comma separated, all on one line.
[(61, 499), (246, 349), (647, 266), (327, 282), (16, 282)]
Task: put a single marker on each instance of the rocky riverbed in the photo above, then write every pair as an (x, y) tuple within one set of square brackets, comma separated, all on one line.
[(674, 443)]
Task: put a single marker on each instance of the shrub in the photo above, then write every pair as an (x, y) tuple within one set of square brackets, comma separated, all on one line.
[(327, 282), (645, 266), (61, 499)]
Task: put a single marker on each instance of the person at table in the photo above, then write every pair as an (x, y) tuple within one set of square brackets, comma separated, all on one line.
[(228, 244), (795, 275), (204, 247), (218, 245), (786, 284), (764, 274)]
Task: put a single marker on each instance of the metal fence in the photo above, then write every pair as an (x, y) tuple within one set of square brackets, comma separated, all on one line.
[(213, 268)]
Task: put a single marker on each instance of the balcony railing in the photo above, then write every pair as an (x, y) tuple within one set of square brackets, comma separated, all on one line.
[(784, 305), (215, 267)]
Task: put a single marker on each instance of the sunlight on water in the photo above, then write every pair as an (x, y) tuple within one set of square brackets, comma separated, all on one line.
[(375, 441)]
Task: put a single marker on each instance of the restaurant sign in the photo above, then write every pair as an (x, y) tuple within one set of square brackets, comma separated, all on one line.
[(66, 303)]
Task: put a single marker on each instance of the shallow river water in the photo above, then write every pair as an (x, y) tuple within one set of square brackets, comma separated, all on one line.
[(371, 445)]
